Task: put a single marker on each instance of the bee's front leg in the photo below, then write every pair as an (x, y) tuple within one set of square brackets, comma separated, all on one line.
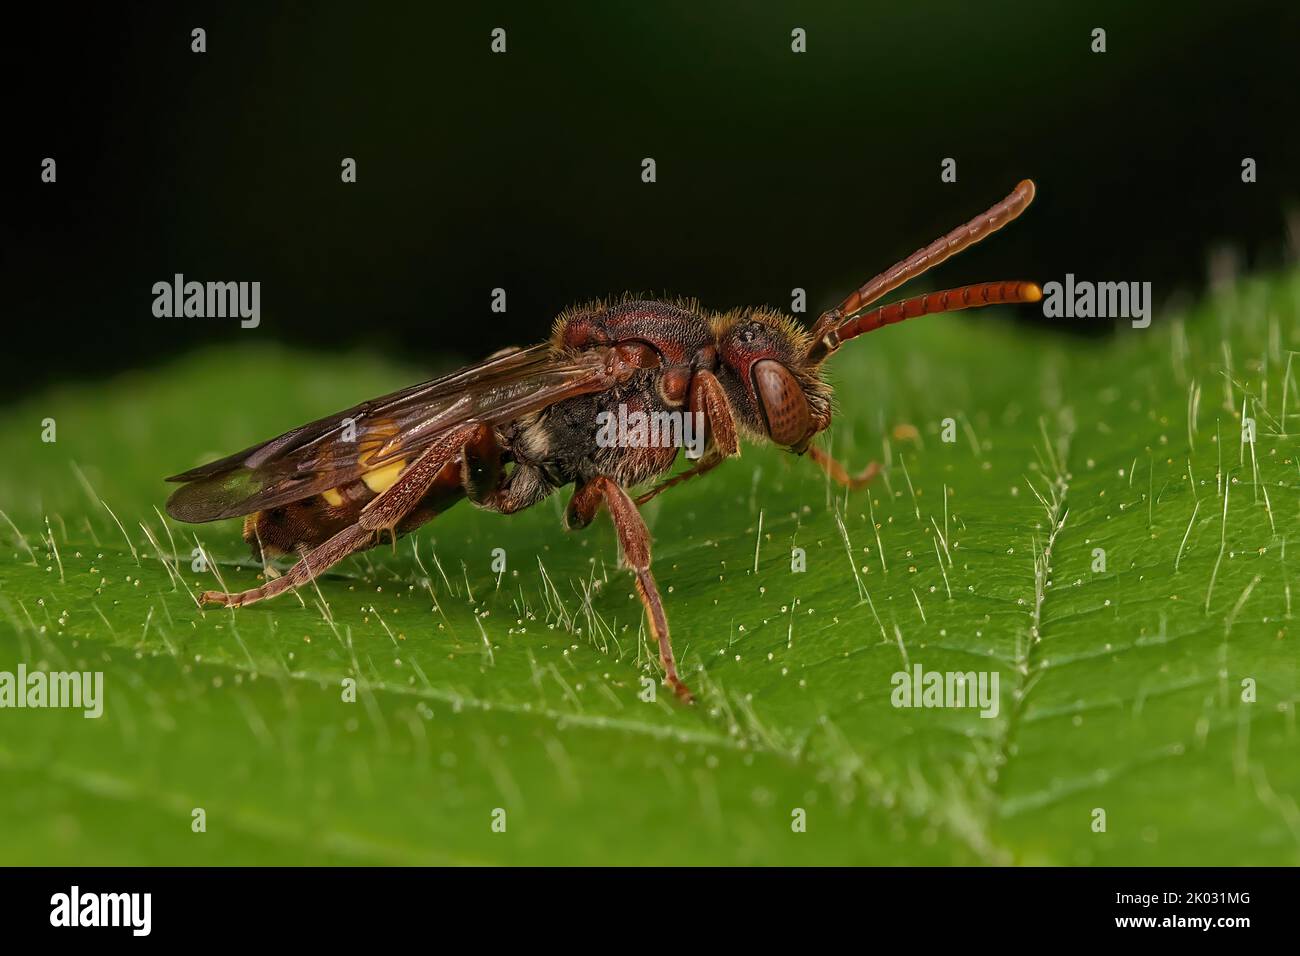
[(708, 402), (634, 541), (840, 474)]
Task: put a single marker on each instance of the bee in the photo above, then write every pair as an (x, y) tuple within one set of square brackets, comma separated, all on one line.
[(509, 431)]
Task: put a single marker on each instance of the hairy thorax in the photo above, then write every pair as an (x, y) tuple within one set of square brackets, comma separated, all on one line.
[(580, 438)]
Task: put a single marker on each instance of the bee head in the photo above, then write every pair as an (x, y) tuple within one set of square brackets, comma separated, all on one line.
[(772, 392)]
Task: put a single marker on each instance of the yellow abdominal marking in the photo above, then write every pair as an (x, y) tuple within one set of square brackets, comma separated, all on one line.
[(381, 479), (333, 498)]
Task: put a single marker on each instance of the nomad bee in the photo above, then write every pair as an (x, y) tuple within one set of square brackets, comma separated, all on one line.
[(509, 431)]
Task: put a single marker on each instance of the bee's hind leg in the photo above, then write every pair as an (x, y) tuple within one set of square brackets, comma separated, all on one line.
[(314, 562), (380, 517)]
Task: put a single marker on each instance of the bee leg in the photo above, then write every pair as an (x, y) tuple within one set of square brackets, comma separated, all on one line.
[(311, 564), (480, 467), (841, 474), (708, 401), (259, 550), (381, 516), (634, 541), (704, 465), (524, 487)]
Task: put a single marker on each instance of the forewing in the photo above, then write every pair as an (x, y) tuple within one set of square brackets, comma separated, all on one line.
[(315, 457)]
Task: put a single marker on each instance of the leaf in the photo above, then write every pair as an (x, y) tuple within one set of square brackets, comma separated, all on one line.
[(1121, 690)]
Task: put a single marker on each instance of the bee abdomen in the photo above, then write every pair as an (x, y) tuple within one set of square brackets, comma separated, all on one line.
[(303, 525), (306, 524)]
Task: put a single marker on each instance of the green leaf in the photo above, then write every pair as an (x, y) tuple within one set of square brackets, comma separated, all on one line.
[(1160, 690)]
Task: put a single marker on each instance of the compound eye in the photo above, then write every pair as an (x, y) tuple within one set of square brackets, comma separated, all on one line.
[(789, 419)]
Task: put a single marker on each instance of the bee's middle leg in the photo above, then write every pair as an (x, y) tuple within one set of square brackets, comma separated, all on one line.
[(634, 540)]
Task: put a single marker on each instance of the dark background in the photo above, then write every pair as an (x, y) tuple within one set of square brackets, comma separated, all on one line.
[(522, 170)]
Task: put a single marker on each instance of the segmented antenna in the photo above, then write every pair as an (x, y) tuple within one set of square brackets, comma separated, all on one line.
[(982, 226), (950, 300)]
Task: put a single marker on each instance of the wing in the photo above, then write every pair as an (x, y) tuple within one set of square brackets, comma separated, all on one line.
[(332, 451)]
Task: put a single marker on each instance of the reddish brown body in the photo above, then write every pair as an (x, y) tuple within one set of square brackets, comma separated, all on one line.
[(508, 432)]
